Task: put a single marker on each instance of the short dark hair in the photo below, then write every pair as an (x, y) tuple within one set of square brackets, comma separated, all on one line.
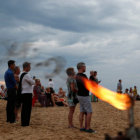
[(79, 65), (26, 64), (37, 80), (95, 71), (11, 62), (34, 77)]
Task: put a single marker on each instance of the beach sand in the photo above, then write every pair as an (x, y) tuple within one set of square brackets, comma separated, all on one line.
[(51, 123)]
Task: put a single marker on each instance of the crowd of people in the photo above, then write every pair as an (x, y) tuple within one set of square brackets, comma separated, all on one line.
[(132, 92), (19, 92), (78, 92), (23, 91), (47, 96)]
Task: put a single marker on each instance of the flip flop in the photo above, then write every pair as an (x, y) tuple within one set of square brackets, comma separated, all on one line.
[(82, 129), (90, 131)]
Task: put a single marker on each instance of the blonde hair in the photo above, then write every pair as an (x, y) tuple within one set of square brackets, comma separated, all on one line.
[(70, 71)]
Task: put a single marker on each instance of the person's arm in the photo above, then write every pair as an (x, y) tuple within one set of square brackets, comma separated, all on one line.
[(64, 93), (38, 90), (42, 93), (98, 81), (17, 78), (73, 88), (12, 78), (2, 94), (59, 93), (28, 78)]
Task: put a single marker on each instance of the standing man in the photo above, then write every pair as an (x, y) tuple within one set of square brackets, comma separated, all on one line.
[(11, 91), (119, 86), (84, 99), (51, 84), (26, 95)]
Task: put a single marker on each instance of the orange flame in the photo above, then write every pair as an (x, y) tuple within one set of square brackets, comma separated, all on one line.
[(120, 101)]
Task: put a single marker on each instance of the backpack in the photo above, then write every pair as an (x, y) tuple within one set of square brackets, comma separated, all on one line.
[(19, 90)]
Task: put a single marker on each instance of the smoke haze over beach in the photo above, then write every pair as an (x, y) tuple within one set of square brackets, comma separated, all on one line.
[(54, 35)]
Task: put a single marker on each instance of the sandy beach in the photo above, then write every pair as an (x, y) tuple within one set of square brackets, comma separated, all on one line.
[(51, 123)]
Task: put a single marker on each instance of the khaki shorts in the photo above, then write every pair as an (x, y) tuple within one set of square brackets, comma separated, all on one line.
[(85, 104)]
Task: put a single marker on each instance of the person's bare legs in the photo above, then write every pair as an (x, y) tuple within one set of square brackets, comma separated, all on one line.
[(85, 120), (52, 98), (97, 99), (70, 116), (88, 120), (16, 114), (65, 104), (92, 98), (81, 118)]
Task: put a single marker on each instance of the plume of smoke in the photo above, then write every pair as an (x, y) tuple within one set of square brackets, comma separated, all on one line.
[(59, 65), (14, 49), (20, 50)]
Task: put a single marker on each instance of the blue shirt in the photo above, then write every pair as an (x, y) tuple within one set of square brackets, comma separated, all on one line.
[(9, 79)]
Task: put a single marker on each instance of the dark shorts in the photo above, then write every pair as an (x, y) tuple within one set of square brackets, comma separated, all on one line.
[(59, 103)]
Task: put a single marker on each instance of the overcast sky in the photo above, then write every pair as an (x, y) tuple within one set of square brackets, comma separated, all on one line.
[(105, 34)]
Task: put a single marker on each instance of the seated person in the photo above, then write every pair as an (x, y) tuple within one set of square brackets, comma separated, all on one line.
[(59, 101), (61, 93), (138, 97), (49, 97), (54, 98), (126, 91), (42, 89), (38, 94), (2, 92)]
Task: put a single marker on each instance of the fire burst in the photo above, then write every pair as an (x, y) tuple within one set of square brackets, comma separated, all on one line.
[(120, 101)]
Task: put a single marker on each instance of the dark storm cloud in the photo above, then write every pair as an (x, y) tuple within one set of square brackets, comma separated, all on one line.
[(102, 33), (69, 16)]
